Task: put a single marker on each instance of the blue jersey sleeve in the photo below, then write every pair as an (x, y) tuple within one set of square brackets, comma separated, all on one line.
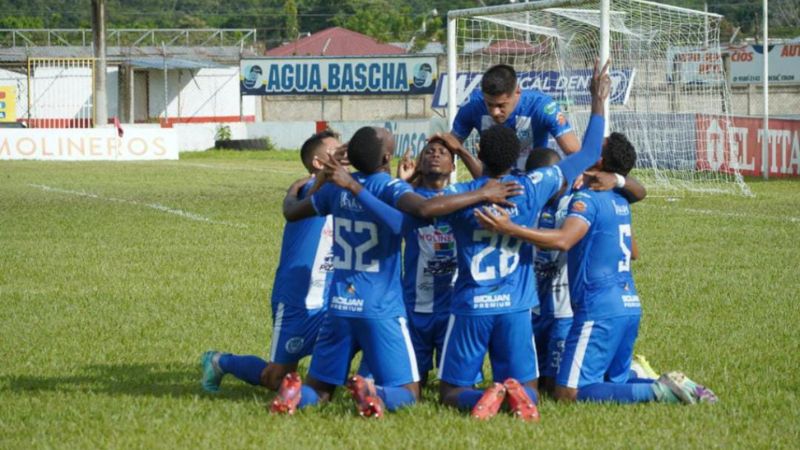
[(583, 207), (322, 200), (394, 190), (467, 118), (545, 183), (552, 118)]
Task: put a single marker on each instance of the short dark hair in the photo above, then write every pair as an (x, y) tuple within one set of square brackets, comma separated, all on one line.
[(499, 79), (365, 150), (312, 145), (619, 155), (499, 149), (541, 157)]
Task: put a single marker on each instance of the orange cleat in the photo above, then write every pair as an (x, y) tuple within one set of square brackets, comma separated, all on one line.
[(288, 395), (520, 403), (368, 403), (490, 402)]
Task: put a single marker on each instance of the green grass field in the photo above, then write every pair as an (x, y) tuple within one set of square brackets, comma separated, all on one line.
[(115, 277)]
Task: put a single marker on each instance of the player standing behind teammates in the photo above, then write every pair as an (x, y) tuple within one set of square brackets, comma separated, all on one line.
[(299, 293), (366, 310), (495, 289), (599, 347), (553, 318), (533, 115)]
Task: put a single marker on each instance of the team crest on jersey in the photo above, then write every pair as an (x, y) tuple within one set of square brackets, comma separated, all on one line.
[(346, 201), (536, 177), (551, 108), (578, 206), (294, 345)]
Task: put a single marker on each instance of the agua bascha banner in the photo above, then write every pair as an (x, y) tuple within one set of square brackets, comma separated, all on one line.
[(724, 146), (552, 83), (338, 76)]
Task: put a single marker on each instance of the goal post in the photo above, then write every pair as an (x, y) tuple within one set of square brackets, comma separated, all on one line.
[(670, 95)]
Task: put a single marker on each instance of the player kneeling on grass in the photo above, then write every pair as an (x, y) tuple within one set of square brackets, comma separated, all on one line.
[(553, 317), (299, 293), (596, 362), (366, 310)]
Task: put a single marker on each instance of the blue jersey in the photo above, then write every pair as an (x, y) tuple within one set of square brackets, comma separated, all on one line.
[(600, 278), (535, 116), (366, 255), (495, 272), (552, 281), (429, 263), (306, 263)]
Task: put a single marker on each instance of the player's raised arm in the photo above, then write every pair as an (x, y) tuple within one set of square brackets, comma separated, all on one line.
[(573, 165), (497, 219), (454, 144), (294, 208)]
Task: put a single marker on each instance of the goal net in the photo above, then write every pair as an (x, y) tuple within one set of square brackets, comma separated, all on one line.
[(669, 94)]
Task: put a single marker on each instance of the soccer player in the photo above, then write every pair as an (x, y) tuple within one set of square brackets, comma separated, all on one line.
[(366, 306), (597, 357), (299, 292), (495, 289), (553, 317), (533, 115)]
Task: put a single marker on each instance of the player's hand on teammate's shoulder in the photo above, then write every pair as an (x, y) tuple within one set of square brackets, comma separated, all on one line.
[(600, 181), (295, 187), (495, 191), (493, 218)]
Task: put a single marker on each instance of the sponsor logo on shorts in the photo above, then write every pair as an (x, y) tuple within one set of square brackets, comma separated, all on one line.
[(491, 301), (347, 304), (295, 344), (631, 301)]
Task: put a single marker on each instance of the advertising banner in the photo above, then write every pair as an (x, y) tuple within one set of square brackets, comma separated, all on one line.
[(94, 144), (701, 66), (338, 76), (552, 83), (724, 146), (8, 104)]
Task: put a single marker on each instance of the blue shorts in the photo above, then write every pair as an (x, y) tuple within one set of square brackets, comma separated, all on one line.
[(427, 336), (598, 351), (294, 332), (551, 334), (507, 337), (385, 345)]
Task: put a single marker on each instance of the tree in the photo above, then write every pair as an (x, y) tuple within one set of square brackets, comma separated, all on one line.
[(290, 11)]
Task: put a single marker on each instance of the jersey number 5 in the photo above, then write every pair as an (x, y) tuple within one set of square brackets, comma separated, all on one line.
[(357, 227), (507, 261), (625, 264)]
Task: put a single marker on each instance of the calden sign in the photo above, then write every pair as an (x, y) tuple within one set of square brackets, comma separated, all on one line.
[(552, 83), (338, 76)]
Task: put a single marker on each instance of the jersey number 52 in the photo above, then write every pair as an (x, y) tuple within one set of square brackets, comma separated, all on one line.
[(350, 253)]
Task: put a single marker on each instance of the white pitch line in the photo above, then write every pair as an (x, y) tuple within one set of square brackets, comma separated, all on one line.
[(298, 173), (711, 212), (156, 206)]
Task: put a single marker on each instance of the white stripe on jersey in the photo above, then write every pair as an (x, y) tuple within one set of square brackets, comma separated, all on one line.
[(276, 332), (319, 273), (450, 323), (580, 352), (412, 355)]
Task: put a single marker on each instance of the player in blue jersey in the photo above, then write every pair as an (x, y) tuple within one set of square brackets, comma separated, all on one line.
[(553, 318), (366, 309), (597, 234), (495, 289), (299, 292), (532, 114)]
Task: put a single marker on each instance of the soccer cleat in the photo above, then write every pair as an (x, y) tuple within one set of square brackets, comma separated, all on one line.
[(685, 390), (520, 402), (288, 396), (490, 402), (368, 403), (212, 374), (643, 368)]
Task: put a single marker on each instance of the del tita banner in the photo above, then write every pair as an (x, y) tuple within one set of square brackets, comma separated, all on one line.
[(338, 76), (552, 83), (724, 146)]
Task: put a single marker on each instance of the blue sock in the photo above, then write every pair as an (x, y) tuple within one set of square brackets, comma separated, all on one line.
[(395, 397), (636, 380), (532, 394), (618, 393), (469, 398), (308, 397), (246, 368)]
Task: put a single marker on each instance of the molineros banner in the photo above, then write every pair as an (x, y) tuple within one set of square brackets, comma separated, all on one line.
[(338, 76)]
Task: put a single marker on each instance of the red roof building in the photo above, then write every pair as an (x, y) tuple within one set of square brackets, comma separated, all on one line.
[(336, 41)]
